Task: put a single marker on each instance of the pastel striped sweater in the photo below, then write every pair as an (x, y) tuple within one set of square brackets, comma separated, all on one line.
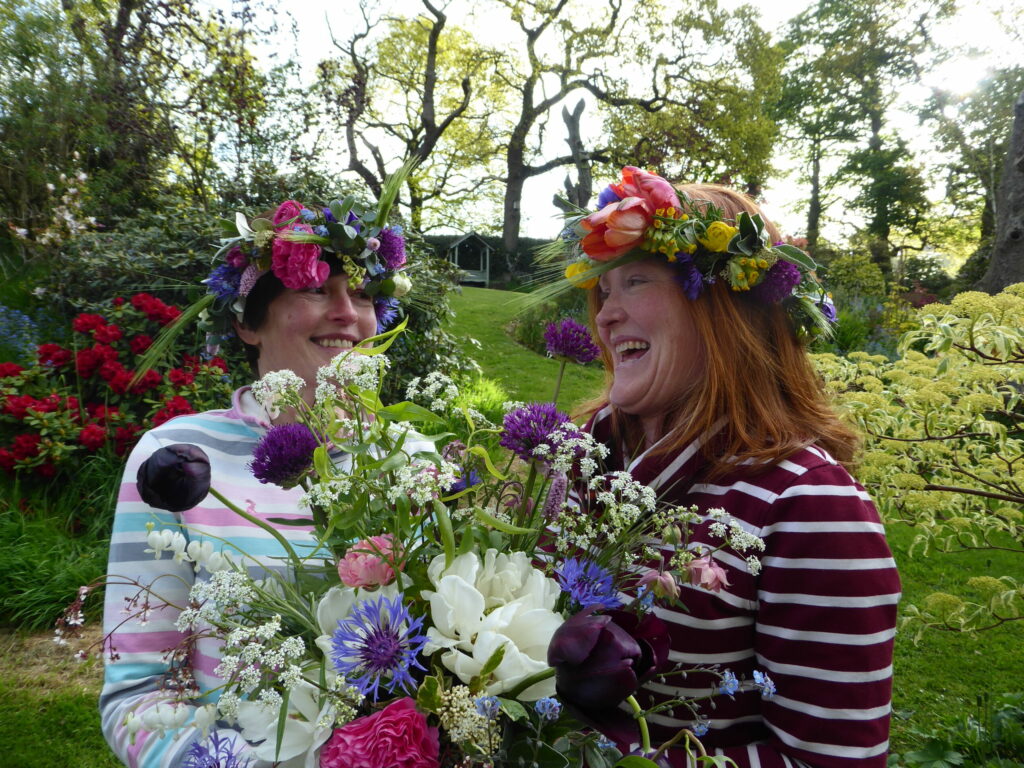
[(819, 619), (132, 683)]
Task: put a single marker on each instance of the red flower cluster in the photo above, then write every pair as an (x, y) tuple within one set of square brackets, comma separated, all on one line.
[(154, 309), (113, 411)]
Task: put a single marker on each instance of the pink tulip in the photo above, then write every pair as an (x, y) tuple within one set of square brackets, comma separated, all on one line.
[(650, 186), (616, 229)]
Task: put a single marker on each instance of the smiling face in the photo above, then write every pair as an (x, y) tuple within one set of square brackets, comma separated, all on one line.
[(303, 330), (646, 325)]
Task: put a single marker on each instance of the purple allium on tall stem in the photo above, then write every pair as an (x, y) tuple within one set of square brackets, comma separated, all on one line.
[(528, 427), (284, 455), (376, 645), (779, 281), (392, 248), (588, 584), (570, 339)]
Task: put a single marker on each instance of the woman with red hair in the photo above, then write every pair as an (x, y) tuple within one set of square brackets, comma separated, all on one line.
[(703, 318)]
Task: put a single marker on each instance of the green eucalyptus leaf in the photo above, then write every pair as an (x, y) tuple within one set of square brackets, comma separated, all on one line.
[(261, 225), (796, 256)]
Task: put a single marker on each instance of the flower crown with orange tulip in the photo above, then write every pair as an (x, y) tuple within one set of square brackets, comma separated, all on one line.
[(643, 215)]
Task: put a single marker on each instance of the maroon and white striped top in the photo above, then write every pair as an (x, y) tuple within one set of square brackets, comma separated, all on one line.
[(819, 619)]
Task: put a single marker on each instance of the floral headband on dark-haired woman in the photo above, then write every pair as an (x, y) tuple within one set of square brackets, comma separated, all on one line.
[(643, 215)]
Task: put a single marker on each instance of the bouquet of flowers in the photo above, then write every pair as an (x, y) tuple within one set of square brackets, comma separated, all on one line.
[(458, 609)]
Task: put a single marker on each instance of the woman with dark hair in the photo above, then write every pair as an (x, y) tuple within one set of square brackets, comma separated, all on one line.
[(711, 400), (298, 288)]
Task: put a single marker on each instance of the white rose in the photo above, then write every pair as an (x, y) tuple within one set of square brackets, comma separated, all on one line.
[(402, 285)]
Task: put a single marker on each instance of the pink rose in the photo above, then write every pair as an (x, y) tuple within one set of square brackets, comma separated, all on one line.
[(369, 563), (705, 572), (396, 737), (287, 211), (298, 265)]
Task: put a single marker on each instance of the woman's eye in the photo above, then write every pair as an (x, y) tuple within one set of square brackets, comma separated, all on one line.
[(636, 280)]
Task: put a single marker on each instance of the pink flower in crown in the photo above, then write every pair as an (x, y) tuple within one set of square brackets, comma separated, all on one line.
[(706, 573), (297, 265), (249, 277), (369, 563), (287, 211), (397, 735), (619, 227), (236, 258)]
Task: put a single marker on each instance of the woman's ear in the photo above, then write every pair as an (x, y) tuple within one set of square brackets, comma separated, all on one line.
[(247, 334)]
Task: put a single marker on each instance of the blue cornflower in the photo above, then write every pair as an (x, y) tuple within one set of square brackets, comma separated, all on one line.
[(764, 683), (386, 309), (223, 281), (548, 708), (729, 684), (378, 643), (700, 727), (488, 706), (220, 754), (588, 584)]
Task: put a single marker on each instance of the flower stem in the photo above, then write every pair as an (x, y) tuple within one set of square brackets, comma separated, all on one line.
[(558, 381), (533, 679), (638, 715), (296, 561)]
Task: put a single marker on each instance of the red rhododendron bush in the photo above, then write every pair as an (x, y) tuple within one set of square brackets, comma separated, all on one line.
[(78, 399)]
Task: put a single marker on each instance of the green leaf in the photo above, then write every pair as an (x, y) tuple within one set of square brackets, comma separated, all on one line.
[(936, 754), (428, 697), (290, 521), (635, 761), (406, 411), (513, 709), (500, 525), (796, 256), (479, 681), (746, 225), (479, 450), (322, 461), (281, 720), (444, 527), (261, 225), (228, 228)]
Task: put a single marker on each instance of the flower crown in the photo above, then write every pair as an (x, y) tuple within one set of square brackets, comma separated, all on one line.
[(293, 245), (643, 215)]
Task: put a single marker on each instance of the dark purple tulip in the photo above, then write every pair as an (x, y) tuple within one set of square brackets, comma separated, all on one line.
[(600, 659), (175, 477)]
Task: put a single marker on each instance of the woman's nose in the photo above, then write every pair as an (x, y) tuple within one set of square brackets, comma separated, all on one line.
[(610, 311), (342, 307)]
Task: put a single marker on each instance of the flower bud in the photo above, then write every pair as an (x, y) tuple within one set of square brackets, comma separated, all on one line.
[(672, 535), (176, 477), (402, 285)]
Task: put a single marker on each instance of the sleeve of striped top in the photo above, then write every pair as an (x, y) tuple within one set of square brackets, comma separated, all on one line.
[(826, 619), (141, 627)]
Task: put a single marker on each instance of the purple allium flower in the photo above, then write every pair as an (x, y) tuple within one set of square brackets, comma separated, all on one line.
[(828, 310), (220, 754), (224, 280), (780, 280), (567, 338), (607, 196), (386, 308), (688, 277), (284, 455), (392, 248), (588, 584), (529, 426), (378, 640)]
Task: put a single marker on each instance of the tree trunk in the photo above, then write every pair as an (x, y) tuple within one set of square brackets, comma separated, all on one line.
[(513, 196), (1007, 264), (814, 207)]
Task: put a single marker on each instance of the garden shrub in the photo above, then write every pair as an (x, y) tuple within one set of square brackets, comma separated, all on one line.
[(854, 275)]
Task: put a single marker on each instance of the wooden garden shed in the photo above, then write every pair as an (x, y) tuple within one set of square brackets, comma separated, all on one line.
[(472, 255)]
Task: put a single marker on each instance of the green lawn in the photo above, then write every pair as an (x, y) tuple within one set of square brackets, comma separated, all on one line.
[(48, 711)]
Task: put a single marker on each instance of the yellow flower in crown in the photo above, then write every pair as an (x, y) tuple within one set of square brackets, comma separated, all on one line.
[(577, 268), (718, 236)]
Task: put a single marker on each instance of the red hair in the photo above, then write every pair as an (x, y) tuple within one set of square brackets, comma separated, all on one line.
[(756, 374)]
